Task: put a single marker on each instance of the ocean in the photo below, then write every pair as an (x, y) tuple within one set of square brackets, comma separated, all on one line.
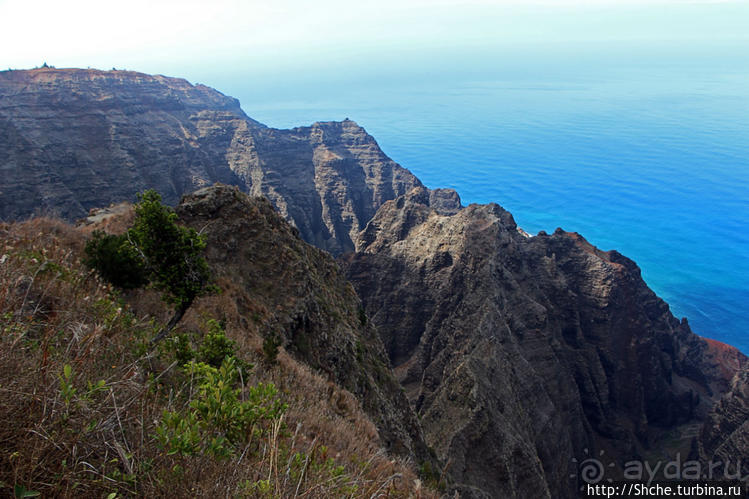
[(643, 151)]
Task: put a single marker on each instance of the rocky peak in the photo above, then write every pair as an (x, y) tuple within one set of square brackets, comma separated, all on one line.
[(76, 139), (308, 301), (502, 340)]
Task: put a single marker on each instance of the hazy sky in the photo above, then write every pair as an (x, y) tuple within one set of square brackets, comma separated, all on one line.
[(163, 36)]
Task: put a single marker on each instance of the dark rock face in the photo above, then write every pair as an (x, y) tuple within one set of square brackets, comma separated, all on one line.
[(313, 307), (329, 179), (725, 436), (80, 139), (521, 352)]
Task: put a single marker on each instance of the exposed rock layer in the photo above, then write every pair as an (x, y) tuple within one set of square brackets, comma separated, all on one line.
[(79, 139), (311, 305), (520, 353), (725, 436)]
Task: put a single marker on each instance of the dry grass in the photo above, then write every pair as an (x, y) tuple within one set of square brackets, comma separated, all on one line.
[(81, 396)]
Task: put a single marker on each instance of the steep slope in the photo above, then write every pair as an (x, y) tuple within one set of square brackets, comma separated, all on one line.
[(520, 353), (89, 405), (275, 284), (329, 178), (77, 139), (80, 139), (306, 300), (725, 436)]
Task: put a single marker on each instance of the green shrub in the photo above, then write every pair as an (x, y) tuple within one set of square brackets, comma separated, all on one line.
[(270, 347), (217, 421), (215, 346), (173, 254), (116, 260), (183, 352), (212, 349), (157, 250)]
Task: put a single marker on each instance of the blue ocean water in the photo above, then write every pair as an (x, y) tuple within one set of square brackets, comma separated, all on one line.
[(646, 153)]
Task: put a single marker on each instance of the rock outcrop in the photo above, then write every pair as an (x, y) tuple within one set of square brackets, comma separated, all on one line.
[(723, 444), (76, 139), (521, 353), (309, 303)]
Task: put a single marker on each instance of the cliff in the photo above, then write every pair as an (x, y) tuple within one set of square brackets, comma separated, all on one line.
[(724, 439), (520, 353), (76, 139), (298, 292), (88, 399), (80, 139)]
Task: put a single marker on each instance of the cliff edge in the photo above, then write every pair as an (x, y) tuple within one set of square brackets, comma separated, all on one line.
[(77, 139), (523, 353)]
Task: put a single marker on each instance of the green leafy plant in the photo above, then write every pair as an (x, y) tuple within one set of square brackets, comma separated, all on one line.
[(156, 250), (183, 351), (172, 254), (215, 346), (67, 390), (217, 420), (20, 491), (116, 260)]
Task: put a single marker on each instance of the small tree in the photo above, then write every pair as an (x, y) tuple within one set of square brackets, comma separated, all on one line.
[(116, 260), (172, 254), (270, 347)]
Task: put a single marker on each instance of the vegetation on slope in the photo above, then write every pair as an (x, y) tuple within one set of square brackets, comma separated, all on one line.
[(155, 250), (90, 410)]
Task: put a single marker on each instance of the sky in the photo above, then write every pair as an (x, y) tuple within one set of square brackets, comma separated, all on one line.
[(173, 36)]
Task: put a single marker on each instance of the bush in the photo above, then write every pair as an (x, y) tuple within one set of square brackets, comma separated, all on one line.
[(270, 347), (217, 421), (173, 254), (157, 250), (213, 348), (116, 260), (216, 346)]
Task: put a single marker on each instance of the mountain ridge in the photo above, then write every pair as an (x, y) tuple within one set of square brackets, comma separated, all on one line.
[(117, 133), (500, 339), (487, 326)]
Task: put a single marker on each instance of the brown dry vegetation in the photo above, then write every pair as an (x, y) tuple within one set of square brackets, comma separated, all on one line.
[(81, 396)]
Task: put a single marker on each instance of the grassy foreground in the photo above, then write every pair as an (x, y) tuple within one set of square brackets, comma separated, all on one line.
[(89, 409)]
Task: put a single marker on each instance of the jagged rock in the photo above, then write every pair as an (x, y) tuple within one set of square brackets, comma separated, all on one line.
[(724, 440), (314, 308), (76, 139), (519, 353)]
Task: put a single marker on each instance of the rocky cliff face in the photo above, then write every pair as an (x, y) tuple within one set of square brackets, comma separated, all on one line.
[(306, 300), (725, 436), (80, 139), (520, 353)]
